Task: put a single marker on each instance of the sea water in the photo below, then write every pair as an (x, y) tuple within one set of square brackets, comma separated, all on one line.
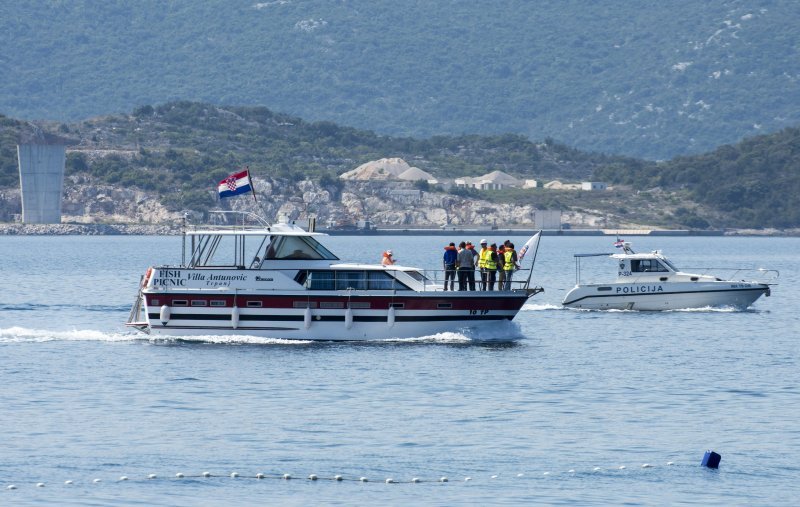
[(558, 407)]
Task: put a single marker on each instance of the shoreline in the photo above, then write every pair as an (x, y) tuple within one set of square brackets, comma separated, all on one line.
[(175, 230)]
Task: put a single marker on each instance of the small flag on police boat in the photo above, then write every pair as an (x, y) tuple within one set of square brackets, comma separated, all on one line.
[(235, 184), (533, 242), (619, 243)]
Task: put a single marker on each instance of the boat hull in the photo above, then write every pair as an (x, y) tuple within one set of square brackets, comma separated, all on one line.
[(673, 296), (303, 316)]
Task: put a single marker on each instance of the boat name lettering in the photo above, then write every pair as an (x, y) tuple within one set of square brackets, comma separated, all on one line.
[(227, 278), (640, 289), (168, 277), (478, 312), (623, 273)]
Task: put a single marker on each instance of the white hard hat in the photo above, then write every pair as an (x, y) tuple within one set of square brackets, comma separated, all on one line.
[(389, 252), (483, 242)]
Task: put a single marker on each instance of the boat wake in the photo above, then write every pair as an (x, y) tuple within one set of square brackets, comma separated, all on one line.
[(227, 340), (25, 335), (504, 332), (718, 309), (540, 307)]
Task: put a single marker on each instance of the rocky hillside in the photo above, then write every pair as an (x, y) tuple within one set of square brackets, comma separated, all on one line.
[(153, 165)]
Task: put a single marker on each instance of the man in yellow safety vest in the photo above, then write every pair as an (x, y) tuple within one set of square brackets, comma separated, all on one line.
[(484, 253)]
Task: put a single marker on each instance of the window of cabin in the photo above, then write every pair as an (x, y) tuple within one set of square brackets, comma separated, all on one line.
[(316, 280), (199, 302), (179, 302), (254, 304), (297, 247), (351, 280), (381, 280), (217, 302), (342, 280), (647, 266)]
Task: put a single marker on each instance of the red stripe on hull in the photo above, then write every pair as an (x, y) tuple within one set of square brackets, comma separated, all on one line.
[(457, 301)]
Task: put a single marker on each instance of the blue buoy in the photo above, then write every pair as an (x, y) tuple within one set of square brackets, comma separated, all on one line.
[(711, 459)]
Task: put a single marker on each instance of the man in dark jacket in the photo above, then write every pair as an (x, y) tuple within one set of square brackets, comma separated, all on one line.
[(466, 268), (449, 263)]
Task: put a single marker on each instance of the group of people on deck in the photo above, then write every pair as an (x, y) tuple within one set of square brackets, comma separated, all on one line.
[(495, 264)]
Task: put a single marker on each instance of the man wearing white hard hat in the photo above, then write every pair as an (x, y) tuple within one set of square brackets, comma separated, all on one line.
[(482, 255)]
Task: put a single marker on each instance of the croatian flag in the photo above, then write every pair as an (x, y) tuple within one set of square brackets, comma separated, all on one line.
[(619, 243), (528, 245), (235, 184)]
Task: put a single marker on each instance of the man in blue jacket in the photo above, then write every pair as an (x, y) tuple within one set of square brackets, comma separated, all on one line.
[(449, 263)]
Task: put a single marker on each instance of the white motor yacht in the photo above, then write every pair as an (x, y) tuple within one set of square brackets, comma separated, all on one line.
[(649, 281), (279, 281)]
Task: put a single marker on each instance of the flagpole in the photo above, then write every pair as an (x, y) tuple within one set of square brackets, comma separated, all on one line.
[(528, 283), (252, 183)]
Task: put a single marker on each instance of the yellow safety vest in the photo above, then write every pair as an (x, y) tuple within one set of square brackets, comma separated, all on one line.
[(489, 264), (482, 258), (509, 263)]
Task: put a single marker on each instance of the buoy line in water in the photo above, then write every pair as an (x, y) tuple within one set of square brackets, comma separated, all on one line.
[(361, 479)]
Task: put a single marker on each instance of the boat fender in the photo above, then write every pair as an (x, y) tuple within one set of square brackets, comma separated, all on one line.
[(390, 317), (348, 318), (147, 277), (307, 317), (164, 314), (235, 317)]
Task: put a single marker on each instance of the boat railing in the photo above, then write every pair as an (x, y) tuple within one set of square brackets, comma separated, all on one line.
[(223, 219), (761, 275), (429, 279), (434, 279)]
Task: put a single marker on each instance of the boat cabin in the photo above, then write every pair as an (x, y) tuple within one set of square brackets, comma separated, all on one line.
[(296, 255)]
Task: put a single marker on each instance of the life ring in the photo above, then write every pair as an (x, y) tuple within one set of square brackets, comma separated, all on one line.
[(147, 277)]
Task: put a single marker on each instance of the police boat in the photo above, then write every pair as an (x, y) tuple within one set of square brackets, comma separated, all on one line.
[(650, 282)]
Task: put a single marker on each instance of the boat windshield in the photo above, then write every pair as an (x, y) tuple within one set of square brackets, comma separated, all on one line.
[(297, 247), (671, 265), (647, 266)]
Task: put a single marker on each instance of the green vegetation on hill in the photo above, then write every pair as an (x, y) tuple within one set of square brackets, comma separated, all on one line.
[(756, 182), (649, 79), (180, 150)]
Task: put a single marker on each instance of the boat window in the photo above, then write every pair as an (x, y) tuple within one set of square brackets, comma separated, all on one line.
[(604, 288), (154, 302), (380, 280), (330, 304), (179, 302), (647, 266), (217, 302), (254, 304), (342, 280), (199, 302), (297, 247), (671, 265), (361, 305), (351, 280), (397, 305), (416, 275), (316, 280), (444, 306), (304, 304)]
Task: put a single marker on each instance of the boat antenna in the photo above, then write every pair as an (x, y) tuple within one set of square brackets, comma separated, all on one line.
[(183, 238)]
